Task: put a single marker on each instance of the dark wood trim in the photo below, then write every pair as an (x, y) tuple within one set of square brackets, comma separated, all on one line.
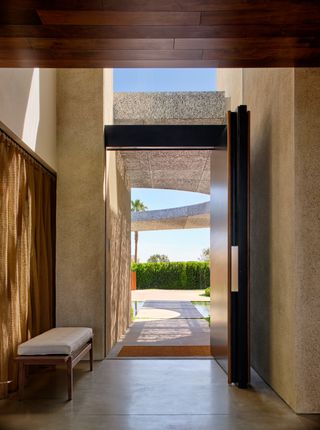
[(229, 155), (243, 210), (54, 248), (248, 241), (232, 241), (219, 351), (238, 304)]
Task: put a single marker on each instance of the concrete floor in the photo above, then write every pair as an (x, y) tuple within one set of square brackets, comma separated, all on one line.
[(149, 395)]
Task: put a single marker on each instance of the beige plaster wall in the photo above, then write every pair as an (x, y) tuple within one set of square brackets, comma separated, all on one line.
[(118, 258), (230, 81), (307, 231), (28, 108), (269, 96), (80, 202), (284, 105)]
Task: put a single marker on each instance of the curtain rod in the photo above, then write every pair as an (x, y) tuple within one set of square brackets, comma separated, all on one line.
[(26, 150)]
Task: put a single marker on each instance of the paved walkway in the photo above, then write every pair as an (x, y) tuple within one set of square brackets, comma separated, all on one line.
[(169, 322), (169, 295)]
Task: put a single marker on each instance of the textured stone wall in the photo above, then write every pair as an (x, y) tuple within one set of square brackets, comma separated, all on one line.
[(307, 231), (231, 82), (269, 96), (118, 257), (285, 205), (80, 203), (169, 108)]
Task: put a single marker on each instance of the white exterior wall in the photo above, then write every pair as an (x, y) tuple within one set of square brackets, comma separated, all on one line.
[(28, 108)]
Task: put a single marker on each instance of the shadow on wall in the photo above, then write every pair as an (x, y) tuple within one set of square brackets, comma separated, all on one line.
[(261, 207), (118, 273)]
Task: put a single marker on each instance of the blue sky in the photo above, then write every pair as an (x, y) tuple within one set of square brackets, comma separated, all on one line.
[(178, 245), (164, 80)]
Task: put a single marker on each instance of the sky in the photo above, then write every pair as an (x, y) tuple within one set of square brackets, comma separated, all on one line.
[(164, 80), (178, 245)]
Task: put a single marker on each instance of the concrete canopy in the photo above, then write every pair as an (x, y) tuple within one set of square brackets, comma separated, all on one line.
[(186, 217), (174, 170), (169, 169)]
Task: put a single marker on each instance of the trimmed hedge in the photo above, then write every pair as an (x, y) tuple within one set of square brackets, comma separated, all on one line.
[(172, 276)]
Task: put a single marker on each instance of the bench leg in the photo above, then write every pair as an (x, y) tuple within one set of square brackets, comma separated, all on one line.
[(21, 380), (91, 357), (70, 378)]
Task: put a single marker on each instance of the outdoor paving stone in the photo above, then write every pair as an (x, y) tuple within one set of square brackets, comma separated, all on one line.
[(153, 313), (166, 323), (169, 295)]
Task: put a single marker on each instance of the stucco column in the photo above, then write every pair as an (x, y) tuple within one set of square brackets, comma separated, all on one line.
[(307, 234), (80, 202), (285, 226)]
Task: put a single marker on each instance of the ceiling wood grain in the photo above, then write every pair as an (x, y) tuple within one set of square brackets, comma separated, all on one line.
[(90, 17), (154, 33)]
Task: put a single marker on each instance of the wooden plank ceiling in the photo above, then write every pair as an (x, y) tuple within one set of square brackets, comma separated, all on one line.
[(159, 33)]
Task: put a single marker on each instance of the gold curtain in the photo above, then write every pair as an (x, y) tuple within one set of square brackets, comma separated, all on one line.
[(27, 248)]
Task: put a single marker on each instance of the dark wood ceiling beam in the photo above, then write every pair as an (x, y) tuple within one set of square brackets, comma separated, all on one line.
[(82, 63), (98, 44), (245, 42), (169, 5), (270, 17), (154, 32), (14, 43), (76, 17), (102, 55), (283, 55)]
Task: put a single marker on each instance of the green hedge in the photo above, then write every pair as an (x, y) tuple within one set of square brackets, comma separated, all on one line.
[(172, 276)]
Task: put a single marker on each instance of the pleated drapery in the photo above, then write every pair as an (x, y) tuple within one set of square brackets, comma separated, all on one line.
[(27, 247)]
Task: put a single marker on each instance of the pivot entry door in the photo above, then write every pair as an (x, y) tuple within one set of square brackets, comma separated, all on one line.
[(230, 250), (238, 246)]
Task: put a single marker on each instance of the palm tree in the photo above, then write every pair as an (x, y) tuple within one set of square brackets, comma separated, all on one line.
[(137, 206)]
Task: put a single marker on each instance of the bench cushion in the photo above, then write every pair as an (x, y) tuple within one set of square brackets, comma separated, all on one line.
[(61, 340)]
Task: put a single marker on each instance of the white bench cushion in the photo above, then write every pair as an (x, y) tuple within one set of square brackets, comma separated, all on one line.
[(61, 340)]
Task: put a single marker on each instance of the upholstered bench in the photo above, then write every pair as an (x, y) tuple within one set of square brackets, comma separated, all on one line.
[(62, 345)]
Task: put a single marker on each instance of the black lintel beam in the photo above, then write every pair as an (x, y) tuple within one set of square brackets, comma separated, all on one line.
[(137, 137)]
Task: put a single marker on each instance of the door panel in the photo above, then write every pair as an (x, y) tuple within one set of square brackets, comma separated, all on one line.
[(219, 255), (230, 250), (238, 165)]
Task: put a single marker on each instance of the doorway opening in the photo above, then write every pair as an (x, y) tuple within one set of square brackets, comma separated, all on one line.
[(170, 229), (168, 323)]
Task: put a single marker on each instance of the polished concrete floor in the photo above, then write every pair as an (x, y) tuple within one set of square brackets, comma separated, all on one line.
[(149, 395)]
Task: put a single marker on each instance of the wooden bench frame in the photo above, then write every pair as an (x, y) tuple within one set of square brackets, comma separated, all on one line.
[(70, 360)]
